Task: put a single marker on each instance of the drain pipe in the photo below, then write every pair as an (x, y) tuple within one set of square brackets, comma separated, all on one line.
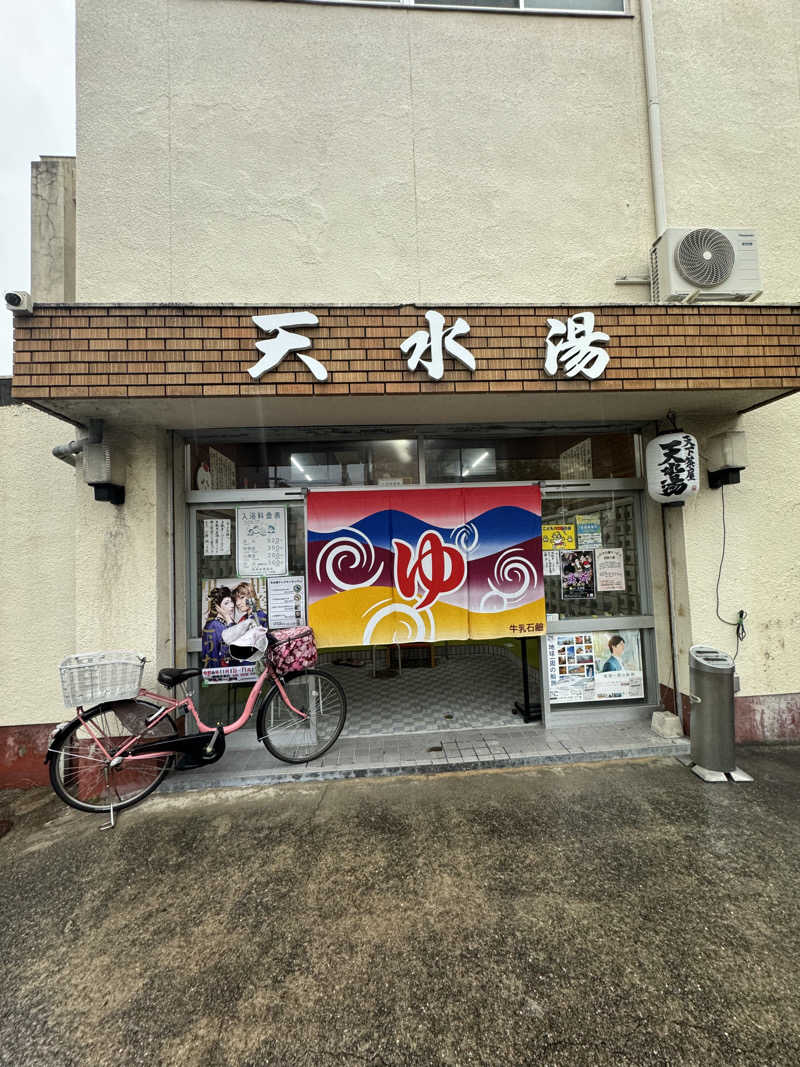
[(653, 116), (74, 448), (673, 629), (660, 218)]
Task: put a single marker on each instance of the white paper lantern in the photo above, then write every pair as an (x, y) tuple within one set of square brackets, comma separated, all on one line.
[(673, 467)]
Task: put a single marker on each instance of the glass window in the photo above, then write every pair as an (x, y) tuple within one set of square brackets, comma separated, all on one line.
[(471, 3), (596, 572), (258, 465), (543, 458), (613, 6)]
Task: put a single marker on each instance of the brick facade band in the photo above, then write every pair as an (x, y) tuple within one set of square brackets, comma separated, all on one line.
[(158, 350)]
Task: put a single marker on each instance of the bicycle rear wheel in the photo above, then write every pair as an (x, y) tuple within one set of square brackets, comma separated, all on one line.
[(81, 773), (294, 739)]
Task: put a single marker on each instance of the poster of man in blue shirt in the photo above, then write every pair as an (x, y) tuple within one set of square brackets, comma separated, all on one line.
[(616, 646)]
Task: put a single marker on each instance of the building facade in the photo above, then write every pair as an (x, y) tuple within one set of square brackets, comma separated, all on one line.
[(366, 165)]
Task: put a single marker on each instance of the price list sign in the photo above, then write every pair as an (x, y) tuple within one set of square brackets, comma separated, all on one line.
[(261, 548)]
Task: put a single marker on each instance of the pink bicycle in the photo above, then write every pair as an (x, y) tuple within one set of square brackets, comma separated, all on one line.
[(117, 752)]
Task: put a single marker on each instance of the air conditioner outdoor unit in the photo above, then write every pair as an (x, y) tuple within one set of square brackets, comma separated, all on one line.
[(701, 265)]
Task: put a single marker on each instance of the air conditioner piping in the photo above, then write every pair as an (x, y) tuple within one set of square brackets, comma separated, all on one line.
[(94, 437)]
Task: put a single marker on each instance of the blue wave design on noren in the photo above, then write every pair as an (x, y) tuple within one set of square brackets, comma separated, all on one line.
[(497, 528)]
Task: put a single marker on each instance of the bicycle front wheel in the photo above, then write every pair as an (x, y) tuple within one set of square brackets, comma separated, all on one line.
[(82, 770), (289, 736)]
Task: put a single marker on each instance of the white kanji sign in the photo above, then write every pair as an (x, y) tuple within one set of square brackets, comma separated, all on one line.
[(278, 347), (423, 340), (577, 346)]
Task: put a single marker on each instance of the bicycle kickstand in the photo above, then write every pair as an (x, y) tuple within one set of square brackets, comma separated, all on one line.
[(112, 820)]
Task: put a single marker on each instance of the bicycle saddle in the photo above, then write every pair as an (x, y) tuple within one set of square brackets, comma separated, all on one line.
[(172, 676)]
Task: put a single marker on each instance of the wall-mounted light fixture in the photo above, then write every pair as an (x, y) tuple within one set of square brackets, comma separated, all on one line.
[(726, 455)]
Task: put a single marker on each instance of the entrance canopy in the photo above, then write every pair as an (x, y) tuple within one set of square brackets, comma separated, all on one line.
[(184, 367)]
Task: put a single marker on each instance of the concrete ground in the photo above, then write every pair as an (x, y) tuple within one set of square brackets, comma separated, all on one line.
[(604, 913)]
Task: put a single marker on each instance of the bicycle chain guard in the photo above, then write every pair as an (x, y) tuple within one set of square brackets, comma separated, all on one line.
[(191, 749)]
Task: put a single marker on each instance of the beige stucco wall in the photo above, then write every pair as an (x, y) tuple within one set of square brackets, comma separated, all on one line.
[(37, 609), (729, 80), (123, 554), (761, 571), (730, 92), (228, 150), (81, 575)]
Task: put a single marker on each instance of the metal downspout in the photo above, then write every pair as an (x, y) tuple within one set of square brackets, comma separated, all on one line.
[(660, 218), (673, 631), (653, 116)]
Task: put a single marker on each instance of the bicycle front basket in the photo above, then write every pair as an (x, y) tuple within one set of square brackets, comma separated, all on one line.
[(295, 650), (90, 678)]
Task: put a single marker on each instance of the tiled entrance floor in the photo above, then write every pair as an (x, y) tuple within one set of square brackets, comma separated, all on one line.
[(247, 763), (465, 692)]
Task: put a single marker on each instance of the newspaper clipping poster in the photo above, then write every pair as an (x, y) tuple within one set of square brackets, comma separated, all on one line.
[(602, 665)]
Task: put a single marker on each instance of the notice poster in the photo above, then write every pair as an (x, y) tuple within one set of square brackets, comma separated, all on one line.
[(554, 538), (589, 534), (577, 576), (287, 602), (261, 547), (216, 537), (609, 570), (222, 471), (552, 563), (586, 667)]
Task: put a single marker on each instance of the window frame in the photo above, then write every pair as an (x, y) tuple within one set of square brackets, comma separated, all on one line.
[(423, 5)]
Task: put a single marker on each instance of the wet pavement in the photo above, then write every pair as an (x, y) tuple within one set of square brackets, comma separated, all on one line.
[(601, 913)]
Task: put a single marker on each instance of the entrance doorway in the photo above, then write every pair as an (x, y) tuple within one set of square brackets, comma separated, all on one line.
[(451, 685)]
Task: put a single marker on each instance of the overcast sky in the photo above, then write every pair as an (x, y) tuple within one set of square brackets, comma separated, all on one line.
[(37, 90)]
